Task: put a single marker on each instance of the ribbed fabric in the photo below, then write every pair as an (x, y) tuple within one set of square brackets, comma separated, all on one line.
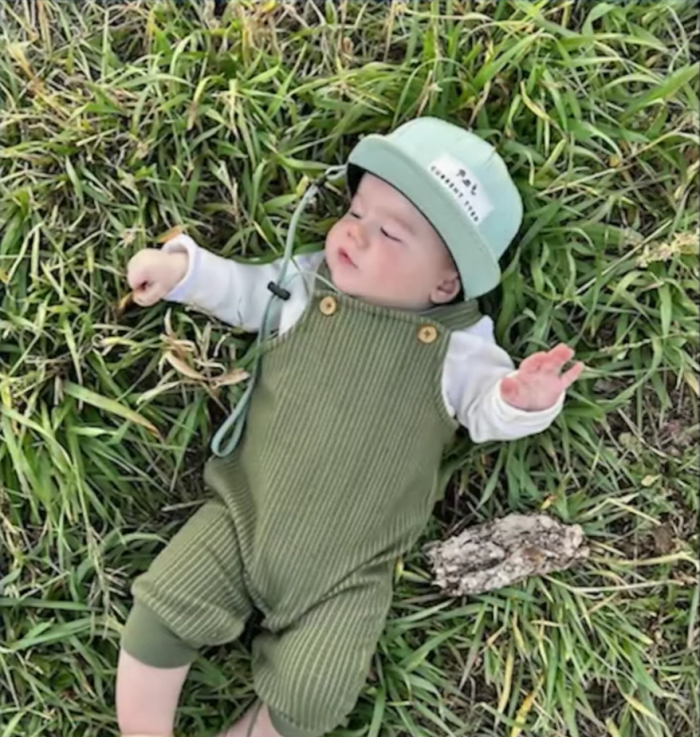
[(334, 479)]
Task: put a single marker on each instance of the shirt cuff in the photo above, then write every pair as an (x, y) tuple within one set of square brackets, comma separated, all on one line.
[(184, 244), (540, 419)]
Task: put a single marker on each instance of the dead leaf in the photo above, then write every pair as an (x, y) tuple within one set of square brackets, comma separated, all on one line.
[(691, 379), (231, 378), (124, 302), (663, 539), (170, 234), (182, 368)]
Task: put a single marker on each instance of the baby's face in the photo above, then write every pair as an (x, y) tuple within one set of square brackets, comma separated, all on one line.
[(384, 250)]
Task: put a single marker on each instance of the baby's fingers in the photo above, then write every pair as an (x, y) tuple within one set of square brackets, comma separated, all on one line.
[(534, 363), (555, 359), (572, 374), (138, 271), (511, 391), (550, 361), (148, 294)]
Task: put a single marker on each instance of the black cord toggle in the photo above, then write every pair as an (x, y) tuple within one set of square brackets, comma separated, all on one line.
[(279, 291)]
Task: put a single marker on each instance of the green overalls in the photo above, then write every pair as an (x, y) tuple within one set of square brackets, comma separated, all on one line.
[(333, 480)]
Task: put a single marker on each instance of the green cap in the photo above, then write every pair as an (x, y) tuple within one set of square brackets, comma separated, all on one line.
[(461, 185)]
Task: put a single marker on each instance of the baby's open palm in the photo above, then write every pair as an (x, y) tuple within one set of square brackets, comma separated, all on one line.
[(539, 382)]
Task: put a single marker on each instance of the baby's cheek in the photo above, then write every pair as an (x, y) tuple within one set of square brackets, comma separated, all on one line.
[(388, 254), (332, 236), (382, 265), (397, 260)]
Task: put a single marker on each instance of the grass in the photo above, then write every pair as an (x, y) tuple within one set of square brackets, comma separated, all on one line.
[(119, 121)]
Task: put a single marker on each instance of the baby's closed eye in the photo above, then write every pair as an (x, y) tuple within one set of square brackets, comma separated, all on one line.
[(390, 236)]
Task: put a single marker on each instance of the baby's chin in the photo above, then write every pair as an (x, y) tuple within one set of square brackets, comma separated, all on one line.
[(346, 282), (372, 294), (344, 276)]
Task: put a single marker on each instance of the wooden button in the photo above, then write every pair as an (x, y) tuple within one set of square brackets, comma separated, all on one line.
[(427, 334), (328, 306)]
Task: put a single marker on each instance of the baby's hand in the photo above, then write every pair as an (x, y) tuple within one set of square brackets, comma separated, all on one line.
[(538, 383), (153, 273)]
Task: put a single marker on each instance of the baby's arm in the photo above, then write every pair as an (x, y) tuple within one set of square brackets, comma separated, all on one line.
[(181, 271), (493, 400)]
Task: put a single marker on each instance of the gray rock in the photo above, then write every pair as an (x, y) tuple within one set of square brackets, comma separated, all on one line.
[(503, 552)]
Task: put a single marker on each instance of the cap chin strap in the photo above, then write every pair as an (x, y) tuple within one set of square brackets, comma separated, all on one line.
[(228, 435)]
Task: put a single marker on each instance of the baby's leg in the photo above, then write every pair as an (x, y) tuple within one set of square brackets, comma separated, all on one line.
[(310, 673), (153, 665), (147, 697), (193, 595), (256, 723)]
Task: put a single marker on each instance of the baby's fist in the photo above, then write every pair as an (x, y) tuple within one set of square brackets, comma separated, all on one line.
[(153, 273)]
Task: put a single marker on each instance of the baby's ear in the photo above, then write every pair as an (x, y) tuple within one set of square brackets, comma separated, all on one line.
[(447, 289)]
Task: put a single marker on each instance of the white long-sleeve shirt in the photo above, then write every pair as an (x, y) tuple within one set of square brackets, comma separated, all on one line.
[(237, 294)]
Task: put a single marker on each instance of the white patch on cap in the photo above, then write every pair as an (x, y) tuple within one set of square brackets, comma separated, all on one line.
[(464, 185)]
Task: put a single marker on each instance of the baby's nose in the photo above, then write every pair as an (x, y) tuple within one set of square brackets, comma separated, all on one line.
[(358, 234)]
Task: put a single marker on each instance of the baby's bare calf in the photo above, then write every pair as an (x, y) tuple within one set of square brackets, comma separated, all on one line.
[(147, 700)]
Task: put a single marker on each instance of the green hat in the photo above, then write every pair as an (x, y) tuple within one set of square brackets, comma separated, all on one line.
[(458, 182)]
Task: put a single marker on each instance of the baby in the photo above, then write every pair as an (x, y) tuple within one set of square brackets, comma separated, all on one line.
[(379, 354)]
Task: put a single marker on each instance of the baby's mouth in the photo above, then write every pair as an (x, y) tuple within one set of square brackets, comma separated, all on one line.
[(345, 259)]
